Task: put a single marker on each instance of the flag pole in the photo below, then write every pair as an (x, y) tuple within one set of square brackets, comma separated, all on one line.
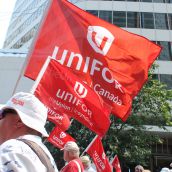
[(89, 145), (41, 73), (32, 46), (113, 159)]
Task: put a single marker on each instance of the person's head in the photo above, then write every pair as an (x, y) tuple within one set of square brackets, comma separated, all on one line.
[(139, 168), (85, 161), (165, 169), (71, 151), (22, 114), (171, 164)]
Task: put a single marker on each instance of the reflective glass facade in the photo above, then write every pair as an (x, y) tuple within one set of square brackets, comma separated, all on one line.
[(130, 19)]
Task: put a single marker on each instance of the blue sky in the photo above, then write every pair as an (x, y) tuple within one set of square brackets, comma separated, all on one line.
[(6, 9)]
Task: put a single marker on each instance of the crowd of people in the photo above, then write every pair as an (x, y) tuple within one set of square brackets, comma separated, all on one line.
[(22, 126), (140, 168), (21, 146)]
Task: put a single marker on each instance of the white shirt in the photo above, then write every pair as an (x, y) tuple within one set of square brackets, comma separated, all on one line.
[(89, 169), (16, 156)]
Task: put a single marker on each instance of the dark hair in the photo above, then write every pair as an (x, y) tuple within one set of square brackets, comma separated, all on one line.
[(8, 110)]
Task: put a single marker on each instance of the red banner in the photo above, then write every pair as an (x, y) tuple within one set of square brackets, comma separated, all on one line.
[(98, 155), (64, 92), (60, 119), (115, 163), (110, 60), (59, 138)]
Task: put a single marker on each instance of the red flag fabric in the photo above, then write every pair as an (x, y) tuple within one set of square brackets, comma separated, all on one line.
[(64, 92), (60, 119), (115, 163), (109, 59), (96, 152), (59, 138)]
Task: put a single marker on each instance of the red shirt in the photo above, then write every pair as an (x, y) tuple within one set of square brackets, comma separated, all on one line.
[(73, 167)]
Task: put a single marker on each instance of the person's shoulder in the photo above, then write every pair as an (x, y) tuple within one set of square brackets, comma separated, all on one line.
[(71, 163), (74, 163), (12, 144)]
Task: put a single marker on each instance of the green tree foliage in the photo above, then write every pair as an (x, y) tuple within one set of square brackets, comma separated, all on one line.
[(131, 140)]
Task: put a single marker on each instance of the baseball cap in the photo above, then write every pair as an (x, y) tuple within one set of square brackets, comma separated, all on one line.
[(71, 146), (30, 109)]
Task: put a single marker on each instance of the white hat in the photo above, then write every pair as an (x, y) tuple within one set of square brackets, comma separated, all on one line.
[(31, 111), (71, 146)]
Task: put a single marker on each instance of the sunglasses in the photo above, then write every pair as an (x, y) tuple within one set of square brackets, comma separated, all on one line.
[(7, 111)]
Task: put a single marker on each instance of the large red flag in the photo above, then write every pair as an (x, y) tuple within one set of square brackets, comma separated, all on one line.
[(116, 164), (112, 61), (96, 152), (64, 92), (59, 138)]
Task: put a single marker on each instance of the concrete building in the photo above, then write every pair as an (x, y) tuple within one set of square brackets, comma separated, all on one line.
[(149, 18)]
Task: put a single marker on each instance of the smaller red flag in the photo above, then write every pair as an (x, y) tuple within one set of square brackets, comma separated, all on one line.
[(116, 164), (61, 120), (63, 92), (59, 138), (96, 152)]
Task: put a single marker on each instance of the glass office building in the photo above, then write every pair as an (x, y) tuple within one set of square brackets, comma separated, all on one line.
[(24, 23), (149, 18)]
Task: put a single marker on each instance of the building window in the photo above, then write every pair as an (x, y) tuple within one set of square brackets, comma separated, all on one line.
[(94, 12), (159, 1), (164, 78), (166, 53), (146, 0), (161, 21), (28, 36), (106, 15), (155, 76), (119, 18), (167, 79), (133, 20), (170, 21), (147, 20)]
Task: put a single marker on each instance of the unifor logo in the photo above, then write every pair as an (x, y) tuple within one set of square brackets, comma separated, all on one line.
[(80, 90), (100, 39), (62, 135)]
